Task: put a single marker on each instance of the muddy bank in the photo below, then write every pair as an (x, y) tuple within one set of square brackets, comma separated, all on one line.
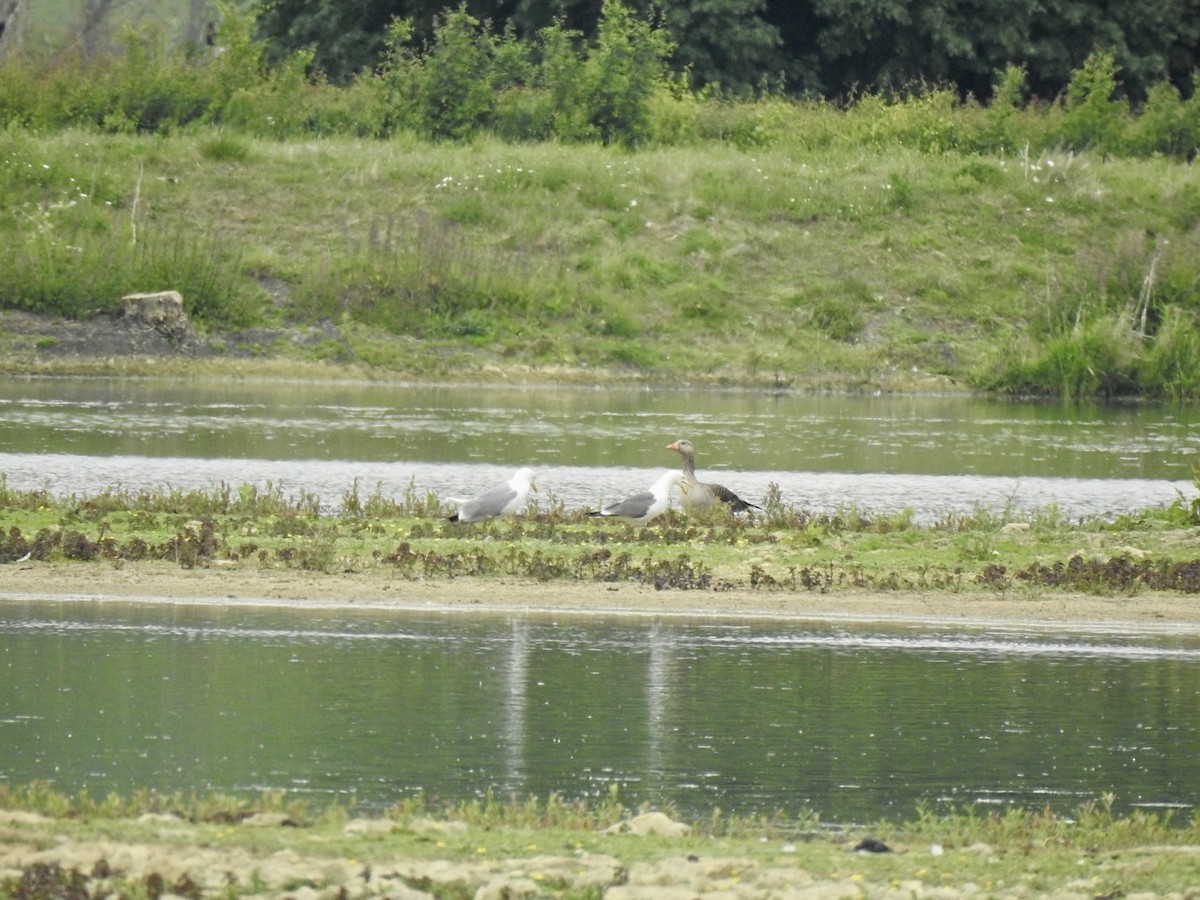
[(165, 582)]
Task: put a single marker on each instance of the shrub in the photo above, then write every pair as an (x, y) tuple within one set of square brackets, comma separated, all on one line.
[(626, 67), (1094, 119), (456, 93), (1167, 124)]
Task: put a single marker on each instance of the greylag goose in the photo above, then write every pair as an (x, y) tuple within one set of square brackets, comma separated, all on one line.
[(703, 494), (502, 500), (644, 506)]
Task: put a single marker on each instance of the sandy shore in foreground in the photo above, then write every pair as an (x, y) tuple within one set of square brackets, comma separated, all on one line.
[(164, 582)]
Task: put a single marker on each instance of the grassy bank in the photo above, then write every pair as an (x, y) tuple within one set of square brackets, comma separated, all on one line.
[(853, 266), (783, 549), (149, 845)]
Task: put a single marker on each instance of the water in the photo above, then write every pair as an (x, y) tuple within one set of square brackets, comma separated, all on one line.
[(369, 707), (754, 717), (933, 455)]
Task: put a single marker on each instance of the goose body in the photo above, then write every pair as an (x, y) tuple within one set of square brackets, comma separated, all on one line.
[(699, 494)]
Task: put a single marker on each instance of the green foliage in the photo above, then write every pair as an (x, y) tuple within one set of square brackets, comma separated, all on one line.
[(623, 72), (456, 92), (1137, 334), (459, 78), (469, 80), (1168, 124), (1095, 118)]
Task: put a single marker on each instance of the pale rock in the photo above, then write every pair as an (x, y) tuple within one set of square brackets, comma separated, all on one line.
[(588, 870), (433, 826), (650, 823), (504, 887), (160, 310), (369, 826)]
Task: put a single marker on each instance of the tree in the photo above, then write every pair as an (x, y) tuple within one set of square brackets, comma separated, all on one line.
[(625, 67), (855, 44), (724, 42), (826, 47)]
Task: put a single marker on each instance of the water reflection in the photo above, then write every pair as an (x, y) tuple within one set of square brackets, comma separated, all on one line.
[(934, 455), (754, 717)]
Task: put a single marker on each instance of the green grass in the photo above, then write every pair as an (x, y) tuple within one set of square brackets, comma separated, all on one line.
[(452, 848), (840, 265), (785, 549)]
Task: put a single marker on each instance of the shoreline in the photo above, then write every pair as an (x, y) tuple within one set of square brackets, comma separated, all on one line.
[(377, 590)]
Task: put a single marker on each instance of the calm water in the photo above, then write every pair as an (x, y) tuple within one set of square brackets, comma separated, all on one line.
[(370, 706), (934, 455)]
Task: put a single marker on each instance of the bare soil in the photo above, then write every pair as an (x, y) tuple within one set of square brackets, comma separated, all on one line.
[(156, 582)]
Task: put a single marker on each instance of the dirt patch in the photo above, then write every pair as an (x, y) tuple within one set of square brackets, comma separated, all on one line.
[(155, 582), (107, 336)]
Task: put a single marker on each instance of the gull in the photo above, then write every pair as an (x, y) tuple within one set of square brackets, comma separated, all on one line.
[(644, 506), (502, 500), (702, 494)]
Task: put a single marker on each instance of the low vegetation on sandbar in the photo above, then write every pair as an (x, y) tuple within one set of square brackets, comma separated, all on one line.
[(780, 549)]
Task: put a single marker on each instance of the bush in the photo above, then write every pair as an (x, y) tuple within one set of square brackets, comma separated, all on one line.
[(456, 93), (1094, 119), (626, 67)]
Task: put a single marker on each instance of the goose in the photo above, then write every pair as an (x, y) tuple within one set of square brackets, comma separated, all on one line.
[(703, 494), (643, 506), (501, 500)]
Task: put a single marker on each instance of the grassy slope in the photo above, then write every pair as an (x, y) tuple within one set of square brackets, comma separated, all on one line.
[(831, 266)]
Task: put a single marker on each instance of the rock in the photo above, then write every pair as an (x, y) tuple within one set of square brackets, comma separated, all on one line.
[(650, 823), (429, 827), (161, 310), (589, 870), (369, 826), (504, 887)]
